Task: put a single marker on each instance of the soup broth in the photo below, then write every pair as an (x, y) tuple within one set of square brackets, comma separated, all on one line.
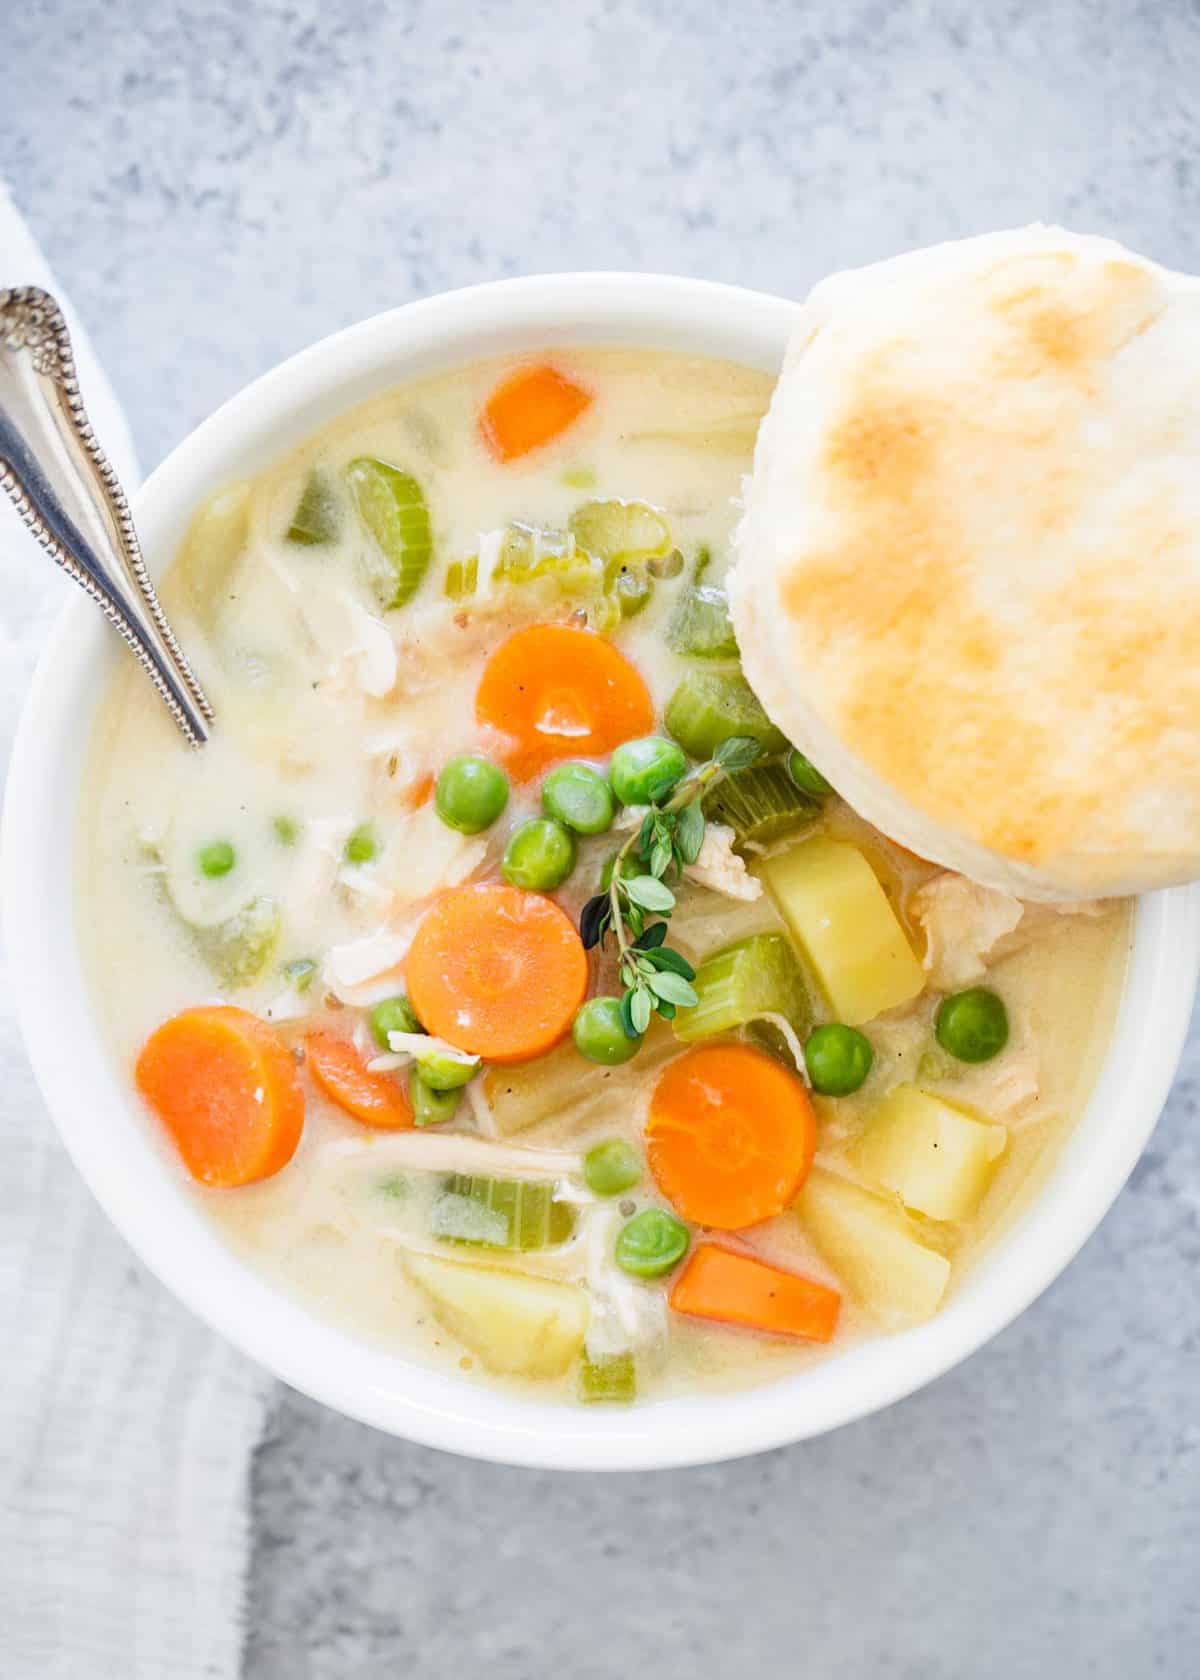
[(350, 611)]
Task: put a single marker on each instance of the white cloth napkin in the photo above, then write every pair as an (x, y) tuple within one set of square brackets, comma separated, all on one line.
[(126, 1428)]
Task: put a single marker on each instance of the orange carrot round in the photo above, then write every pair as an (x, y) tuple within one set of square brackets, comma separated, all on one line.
[(346, 1080), (555, 692), (734, 1288), (730, 1136), (226, 1089), (497, 971), (529, 408)]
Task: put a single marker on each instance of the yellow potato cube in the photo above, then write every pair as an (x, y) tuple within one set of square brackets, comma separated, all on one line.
[(871, 1244), (518, 1325), (938, 1159), (831, 899)]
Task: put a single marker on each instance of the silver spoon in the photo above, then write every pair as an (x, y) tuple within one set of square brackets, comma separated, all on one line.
[(59, 478)]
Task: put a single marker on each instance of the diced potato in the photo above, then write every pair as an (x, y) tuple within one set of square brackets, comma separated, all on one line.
[(518, 1325), (561, 1085), (831, 899), (872, 1245), (936, 1158)]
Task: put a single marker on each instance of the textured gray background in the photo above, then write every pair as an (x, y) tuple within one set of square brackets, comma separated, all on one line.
[(218, 184)]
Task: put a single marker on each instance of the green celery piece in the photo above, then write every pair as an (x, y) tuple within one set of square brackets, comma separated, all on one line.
[(239, 948), (317, 518), (504, 1213), (709, 706), (701, 627), (620, 533), (757, 976), (612, 1377), (761, 803), (462, 578), (391, 504), (631, 586)]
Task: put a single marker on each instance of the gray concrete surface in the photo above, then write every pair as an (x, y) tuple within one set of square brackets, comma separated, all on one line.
[(220, 183)]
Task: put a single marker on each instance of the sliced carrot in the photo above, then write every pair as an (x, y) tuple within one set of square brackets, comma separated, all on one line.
[(730, 1136), (346, 1080), (738, 1289), (529, 408), (420, 791), (496, 971), (555, 692), (226, 1089)]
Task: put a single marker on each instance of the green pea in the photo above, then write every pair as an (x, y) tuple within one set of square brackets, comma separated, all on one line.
[(838, 1059), (394, 1014), (578, 797), (599, 1033), (611, 1166), (471, 793), (644, 771), (446, 1073), (972, 1025), (540, 854), (430, 1107), (361, 846), (651, 1243), (806, 775), (287, 830), (216, 859)]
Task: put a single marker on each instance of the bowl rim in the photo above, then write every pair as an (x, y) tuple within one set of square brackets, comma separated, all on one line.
[(94, 1111)]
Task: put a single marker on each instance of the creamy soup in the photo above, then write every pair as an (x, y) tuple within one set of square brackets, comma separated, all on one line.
[(499, 980)]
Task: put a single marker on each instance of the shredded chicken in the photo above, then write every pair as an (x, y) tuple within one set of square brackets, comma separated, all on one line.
[(322, 846), (364, 971), (720, 869), (408, 1047), (425, 857), (371, 652), (456, 1152), (625, 1315), (963, 923)]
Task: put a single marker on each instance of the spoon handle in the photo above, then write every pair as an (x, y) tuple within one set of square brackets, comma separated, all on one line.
[(60, 480)]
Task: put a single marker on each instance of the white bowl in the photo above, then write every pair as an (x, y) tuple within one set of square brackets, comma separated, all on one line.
[(100, 1121)]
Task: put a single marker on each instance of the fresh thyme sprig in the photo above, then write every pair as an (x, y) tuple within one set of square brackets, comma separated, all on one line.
[(670, 835)]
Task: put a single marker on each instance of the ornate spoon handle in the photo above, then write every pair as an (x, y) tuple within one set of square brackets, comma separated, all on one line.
[(67, 493)]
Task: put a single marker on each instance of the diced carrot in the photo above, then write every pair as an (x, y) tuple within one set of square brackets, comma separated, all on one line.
[(731, 1135), (555, 692), (340, 1071), (529, 408), (497, 971), (738, 1289), (226, 1089), (420, 790)]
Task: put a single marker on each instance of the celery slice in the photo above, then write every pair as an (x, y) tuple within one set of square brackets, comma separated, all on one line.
[(317, 518), (240, 948), (757, 976), (709, 706), (462, 578), (761, 803), (612, 1377), (504, 1213), (620, 533), (392, 506), (701, 627)]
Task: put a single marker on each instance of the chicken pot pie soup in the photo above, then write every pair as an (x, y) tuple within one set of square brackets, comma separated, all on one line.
[(510, 988)]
